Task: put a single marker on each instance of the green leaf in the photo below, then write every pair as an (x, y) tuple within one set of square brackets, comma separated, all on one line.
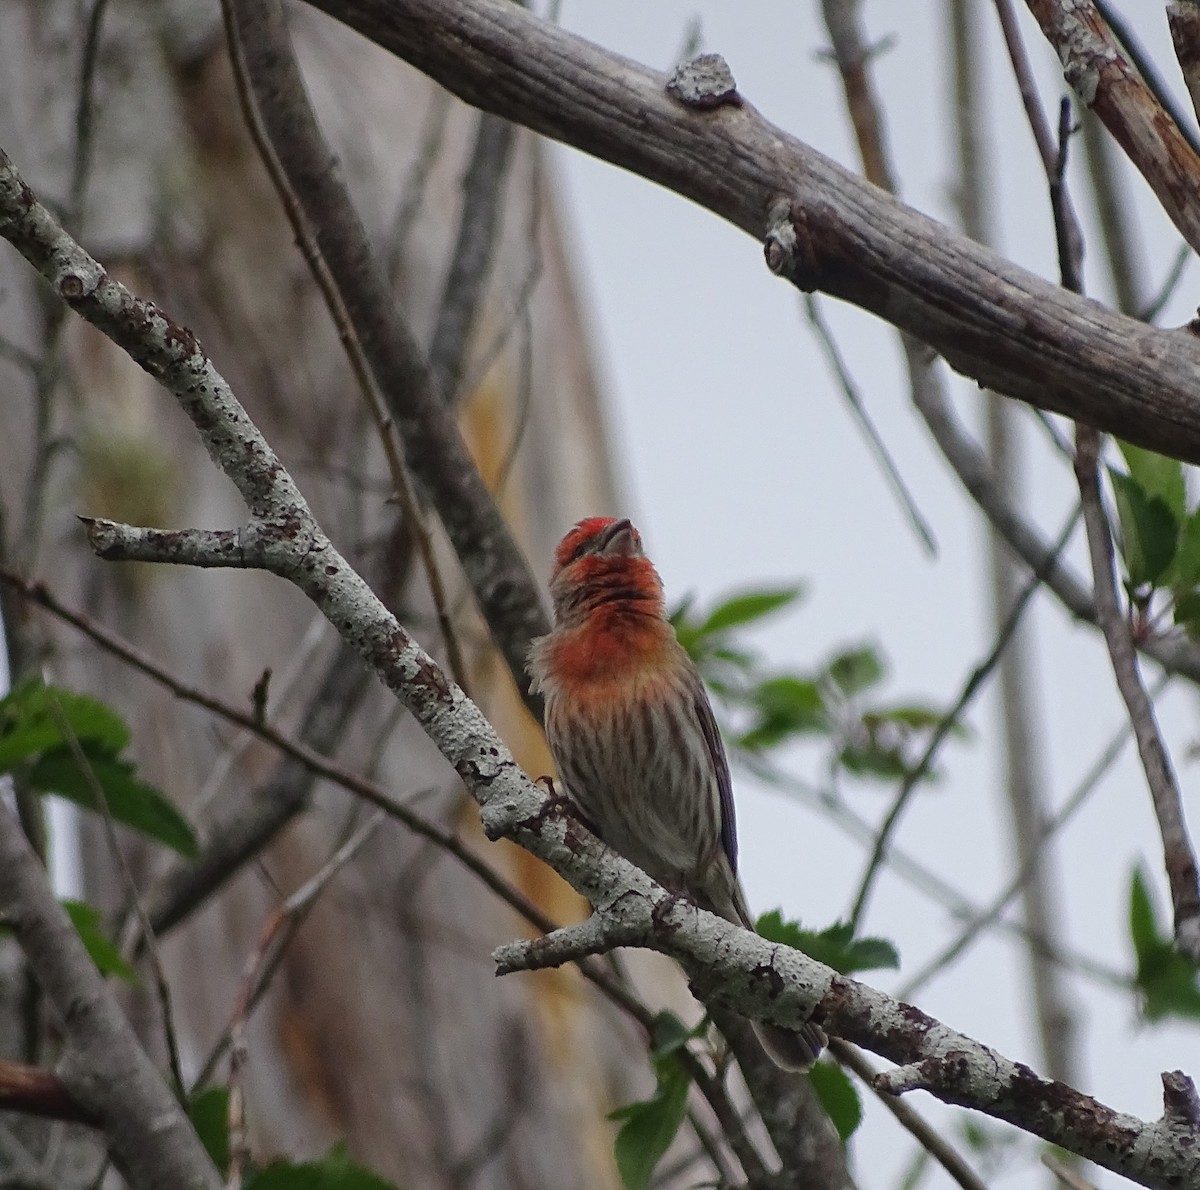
[(745, 609), (1185, 572), (209, 1113), (856, 670), (89, 925), (31, 718), (1157, 476), (1149, 531), (335, 1171), (784, 706), (1167, 981), (671, 1035), (873, 760), (838, 1097), (1187, 614), (649, 1126), (129, 800), (914, 716), (1143, 926), (835, 946)]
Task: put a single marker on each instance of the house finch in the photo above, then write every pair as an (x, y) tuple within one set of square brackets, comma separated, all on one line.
[(633, 733)]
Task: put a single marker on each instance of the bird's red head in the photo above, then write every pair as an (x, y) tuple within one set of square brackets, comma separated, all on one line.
[(600, 563)]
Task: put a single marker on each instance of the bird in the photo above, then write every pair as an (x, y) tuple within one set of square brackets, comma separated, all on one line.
[(634, 737)]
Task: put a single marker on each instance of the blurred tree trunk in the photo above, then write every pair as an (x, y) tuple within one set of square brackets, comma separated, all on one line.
[(385, 1024)]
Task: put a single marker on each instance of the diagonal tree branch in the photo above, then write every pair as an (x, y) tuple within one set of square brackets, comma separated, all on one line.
[(435, 451), (999, 324), (1179, 859), (105, 1070), (1183, 875), (1097, 69), (472, 257), (35, 1091)]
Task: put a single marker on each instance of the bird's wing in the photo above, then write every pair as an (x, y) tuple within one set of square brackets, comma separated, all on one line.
[(716, 752)]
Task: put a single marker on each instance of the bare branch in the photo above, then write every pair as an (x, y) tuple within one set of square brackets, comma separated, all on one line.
[(1144, 64), (104, 1069), (999, 324), (932, 1141), (472, 257), (974, 683), (1097, 69), (1178, 856), (305, 238), (34, 1091), (1184, 19), (497, 572), (875, 443)]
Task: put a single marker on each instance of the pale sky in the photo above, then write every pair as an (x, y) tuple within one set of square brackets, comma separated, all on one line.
[(741, 464)]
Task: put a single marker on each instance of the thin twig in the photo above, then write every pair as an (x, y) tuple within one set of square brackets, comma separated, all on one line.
[(310, 250), (416, 181), (85, 115), (1065, 1174), (17, 355), (974, 926), (1070, 248), (1042, 135), (1155, 306), (314, 761), (1178, 856), (974, 683), (936, 1145), (1183, 876), (875, 443), (496, 570), (474, 249), (161, 987), (283, 921), (524, 401)]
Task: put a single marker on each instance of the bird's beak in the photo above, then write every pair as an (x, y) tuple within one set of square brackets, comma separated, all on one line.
[(618, 529)]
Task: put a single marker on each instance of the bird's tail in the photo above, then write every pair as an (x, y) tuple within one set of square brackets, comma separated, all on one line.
[(791, 1049)]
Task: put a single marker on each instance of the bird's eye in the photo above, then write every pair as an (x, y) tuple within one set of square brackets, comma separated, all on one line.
[(586, 546)]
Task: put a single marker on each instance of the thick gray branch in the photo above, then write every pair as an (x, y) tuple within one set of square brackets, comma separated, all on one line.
[(999, 324)]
